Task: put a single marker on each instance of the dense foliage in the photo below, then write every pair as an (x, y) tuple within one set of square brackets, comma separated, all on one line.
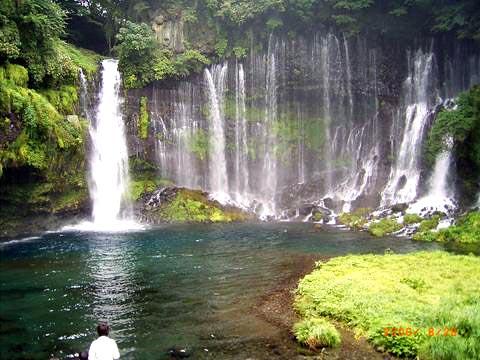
[(459, 129), (142, 60), (220, 28), (42, 162), (466, 230), (420, 292)]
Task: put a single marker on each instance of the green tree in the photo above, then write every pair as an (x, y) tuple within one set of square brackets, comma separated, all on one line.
[(136, 49)]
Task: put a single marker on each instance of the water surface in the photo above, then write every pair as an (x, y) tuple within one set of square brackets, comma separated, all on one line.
[(190, 286)]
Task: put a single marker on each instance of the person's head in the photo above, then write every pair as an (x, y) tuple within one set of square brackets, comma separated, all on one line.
[(103, 329)]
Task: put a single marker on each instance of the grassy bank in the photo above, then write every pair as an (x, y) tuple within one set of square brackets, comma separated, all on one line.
[(425, 304)]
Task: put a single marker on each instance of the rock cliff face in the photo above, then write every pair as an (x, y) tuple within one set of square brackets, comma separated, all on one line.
[(337, 118)]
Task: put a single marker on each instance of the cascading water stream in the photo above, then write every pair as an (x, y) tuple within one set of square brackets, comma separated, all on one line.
[(404, 178), (440, 197), (218, 180), (306, 120), (109, 158), (270, 163), (241, 150)]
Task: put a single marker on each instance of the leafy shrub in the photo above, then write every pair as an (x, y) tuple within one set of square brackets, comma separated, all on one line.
[(462, 126), (143, 61), (384, 227), (466, 230), (355, 220), (316, 333), (409, 219), (429, 224), (45, 134)]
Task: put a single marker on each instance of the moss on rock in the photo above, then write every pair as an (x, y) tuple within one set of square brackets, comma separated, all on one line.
[(355, 220), (384, 227), (181, 205)]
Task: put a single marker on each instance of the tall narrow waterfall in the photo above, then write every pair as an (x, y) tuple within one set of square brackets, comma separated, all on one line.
[(241, 150), (109, 158), (217, 162), (405, 175), (269, 160)]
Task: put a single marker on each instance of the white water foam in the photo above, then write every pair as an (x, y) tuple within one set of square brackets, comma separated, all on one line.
[(17, 241)]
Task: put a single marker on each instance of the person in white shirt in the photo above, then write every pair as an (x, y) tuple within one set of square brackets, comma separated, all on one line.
[(103, 348)]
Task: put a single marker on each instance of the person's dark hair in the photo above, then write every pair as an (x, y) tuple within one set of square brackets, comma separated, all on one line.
[(103, 329)]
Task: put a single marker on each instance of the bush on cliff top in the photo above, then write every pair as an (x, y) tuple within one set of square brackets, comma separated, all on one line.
[(419, 291)]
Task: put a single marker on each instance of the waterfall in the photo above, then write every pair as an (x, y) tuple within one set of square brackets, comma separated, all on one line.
[(305, 120), (109, 158), (185, 129), (405, 175), (439, 196), (217, 161), (161, 134), (241, 149), (325, 64), (269, 171)]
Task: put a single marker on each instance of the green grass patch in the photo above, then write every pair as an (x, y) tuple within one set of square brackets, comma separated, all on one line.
[(83, 58), (316, 333), (418, 291), (384, 227)]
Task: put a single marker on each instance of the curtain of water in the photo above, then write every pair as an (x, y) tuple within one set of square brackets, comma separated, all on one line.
[(109, 157), (215, 81)]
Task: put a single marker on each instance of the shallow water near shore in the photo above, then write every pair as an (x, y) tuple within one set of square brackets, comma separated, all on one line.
[(191, 287)]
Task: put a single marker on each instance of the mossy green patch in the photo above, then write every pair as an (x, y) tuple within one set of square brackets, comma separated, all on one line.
[(64, 99), (410, 219), (356, 219), (429, 224), (15, 74), (143, 119), (194, 206), (43, 134), (144, 178), (138, 188), (384, 227), (419, 291)]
